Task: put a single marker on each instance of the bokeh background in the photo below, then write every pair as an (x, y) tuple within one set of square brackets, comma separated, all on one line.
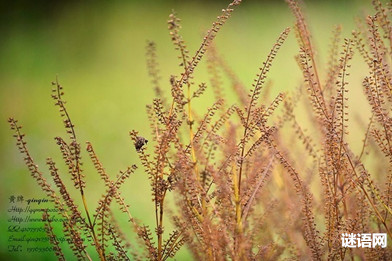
[(97, 50)]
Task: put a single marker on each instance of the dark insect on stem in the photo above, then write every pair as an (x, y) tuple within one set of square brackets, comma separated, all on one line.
[(140, 142)]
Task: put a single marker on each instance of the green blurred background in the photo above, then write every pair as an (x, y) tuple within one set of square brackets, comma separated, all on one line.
[(97, 50)]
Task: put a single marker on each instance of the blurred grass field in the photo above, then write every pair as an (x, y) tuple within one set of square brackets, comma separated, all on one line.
[(97, 51)]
